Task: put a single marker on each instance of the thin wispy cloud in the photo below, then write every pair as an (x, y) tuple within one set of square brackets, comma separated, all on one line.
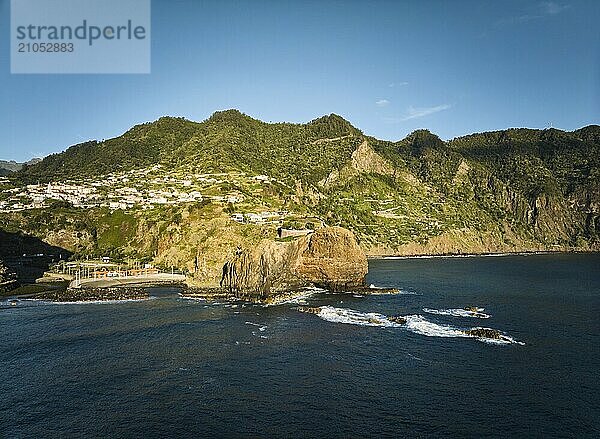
[(415, 113), (382, 103), (541, 10), (397, 84)]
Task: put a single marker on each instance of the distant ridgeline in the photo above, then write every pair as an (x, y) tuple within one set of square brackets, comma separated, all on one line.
[(511, 190), (8, 167)]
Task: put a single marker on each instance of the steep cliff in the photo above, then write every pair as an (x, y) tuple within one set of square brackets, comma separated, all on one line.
[(502, 191), (8, 280), (329, 257)]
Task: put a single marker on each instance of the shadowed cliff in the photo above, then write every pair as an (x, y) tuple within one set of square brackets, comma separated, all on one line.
[(28, 256)]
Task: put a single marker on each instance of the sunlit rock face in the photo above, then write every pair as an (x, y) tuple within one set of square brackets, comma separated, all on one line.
[(330, 257)]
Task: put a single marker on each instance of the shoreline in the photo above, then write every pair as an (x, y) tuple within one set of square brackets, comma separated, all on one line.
[(86, 295), (292, 296), (137, 292), (482, 255)]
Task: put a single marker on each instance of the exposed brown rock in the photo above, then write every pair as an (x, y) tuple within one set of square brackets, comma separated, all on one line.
[(94, 294), (309, 309), (8, 279), (329, 258), (486, 333), (363, 160)]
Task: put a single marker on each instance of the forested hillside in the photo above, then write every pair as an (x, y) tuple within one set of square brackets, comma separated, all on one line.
[(511, 190)]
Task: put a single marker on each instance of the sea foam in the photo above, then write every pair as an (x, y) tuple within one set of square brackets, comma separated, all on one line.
[(419, 325), (352, 317), (458, 312), (42, 302), (414, 323)]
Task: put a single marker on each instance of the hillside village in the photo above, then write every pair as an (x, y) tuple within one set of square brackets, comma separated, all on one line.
[(142, 189)]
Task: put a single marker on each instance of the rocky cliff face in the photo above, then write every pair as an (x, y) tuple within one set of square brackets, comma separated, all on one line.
[(7, 279), (329, 257), (504, 191), (363, 160)]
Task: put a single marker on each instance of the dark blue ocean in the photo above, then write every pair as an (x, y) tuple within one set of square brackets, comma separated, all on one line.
[(170, 367)]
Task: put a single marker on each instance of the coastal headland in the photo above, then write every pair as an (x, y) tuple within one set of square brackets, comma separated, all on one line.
[(234, 191)]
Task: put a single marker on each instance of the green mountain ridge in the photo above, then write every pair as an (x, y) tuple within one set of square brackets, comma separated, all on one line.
[(227, 138), (510, 190)]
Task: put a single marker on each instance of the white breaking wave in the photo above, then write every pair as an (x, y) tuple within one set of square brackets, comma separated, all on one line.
[(351, 317), (197, 299), (298, 298), (306, 293), (260, 327), (414, 323), (79, 302), (315, 289), (419, 325), (458, 312), (385, 291)]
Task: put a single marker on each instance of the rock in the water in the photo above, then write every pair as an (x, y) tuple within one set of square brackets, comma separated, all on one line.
[(493, 334), (206, 294), (330, 258), (94, 294), (309, 309), (375, 291), (397, 319)]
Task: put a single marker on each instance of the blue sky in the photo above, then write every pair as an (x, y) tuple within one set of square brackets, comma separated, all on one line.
[(389, 67)]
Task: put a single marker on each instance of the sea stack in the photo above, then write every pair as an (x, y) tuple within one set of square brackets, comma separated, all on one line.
[(329, 258)]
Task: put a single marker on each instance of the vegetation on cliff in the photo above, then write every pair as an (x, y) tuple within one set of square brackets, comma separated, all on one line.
[(511, 190), (328, 258), (8, 279)]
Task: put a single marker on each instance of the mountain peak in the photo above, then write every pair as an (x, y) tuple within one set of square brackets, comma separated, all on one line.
[(229, 115), (330, 118), (423, 139), (332, 125), (589, 133)]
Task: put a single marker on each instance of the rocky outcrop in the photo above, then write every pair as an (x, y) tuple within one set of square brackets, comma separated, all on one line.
[(363, 160), (397, 319), (329, 258), (487, 333), (309, 309), (94, 294), (8, 279)]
